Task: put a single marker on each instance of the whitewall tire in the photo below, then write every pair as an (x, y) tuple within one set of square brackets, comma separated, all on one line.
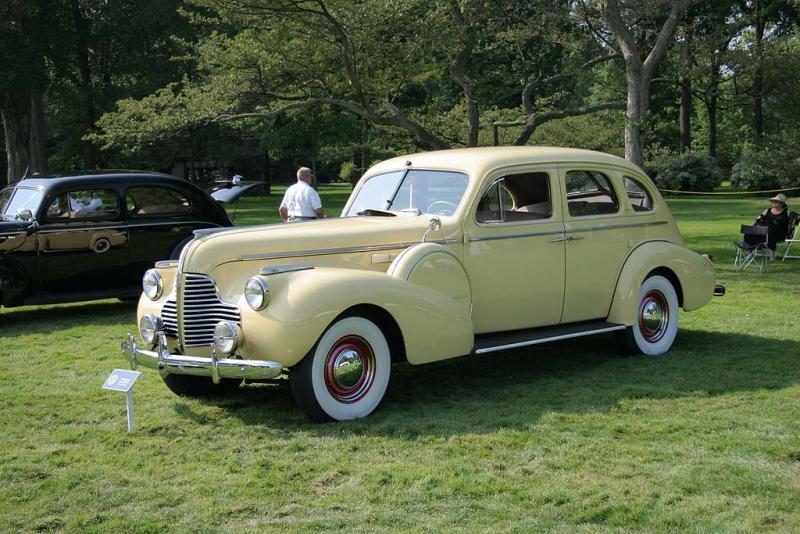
[(656, 323), (346, 374)]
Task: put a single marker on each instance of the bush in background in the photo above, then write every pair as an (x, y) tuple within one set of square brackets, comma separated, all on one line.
[(347, 172), (776, 165), (690, 171)]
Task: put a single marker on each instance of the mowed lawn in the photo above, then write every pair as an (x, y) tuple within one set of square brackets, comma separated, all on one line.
[(569, 437)]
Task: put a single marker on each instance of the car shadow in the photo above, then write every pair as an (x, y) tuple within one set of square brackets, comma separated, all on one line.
[(39, 319), (515, 389)]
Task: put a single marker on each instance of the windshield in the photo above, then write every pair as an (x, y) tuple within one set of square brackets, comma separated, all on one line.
[(16, 199), (434, 192)]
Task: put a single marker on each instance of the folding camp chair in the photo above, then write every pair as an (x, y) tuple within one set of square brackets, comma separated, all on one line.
[(751, 248), (795, 240)]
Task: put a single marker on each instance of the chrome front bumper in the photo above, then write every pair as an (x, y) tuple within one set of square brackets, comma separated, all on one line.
[(214, 367)]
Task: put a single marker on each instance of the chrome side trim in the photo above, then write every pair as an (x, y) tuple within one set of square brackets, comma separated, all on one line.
[(179, 282), (471, 238), (135, 225), (278, 269), (166, 264), (549, 339), (340, 250), (612, 226)]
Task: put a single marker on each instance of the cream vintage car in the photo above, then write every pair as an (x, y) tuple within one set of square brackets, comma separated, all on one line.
[(435, 255)]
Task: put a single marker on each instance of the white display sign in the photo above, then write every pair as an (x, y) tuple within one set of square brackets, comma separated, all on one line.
[(123, 380)]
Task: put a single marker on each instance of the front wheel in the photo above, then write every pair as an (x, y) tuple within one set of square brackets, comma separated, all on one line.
[(346, 374), (656, 319)]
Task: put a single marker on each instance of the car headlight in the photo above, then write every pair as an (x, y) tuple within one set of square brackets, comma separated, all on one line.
[(226, 337), (149, 326), (152, 284), (256, 293)]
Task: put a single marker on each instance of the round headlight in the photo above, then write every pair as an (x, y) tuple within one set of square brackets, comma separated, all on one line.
[(256, 293), (152, 284), (226, 337), (149, 327)]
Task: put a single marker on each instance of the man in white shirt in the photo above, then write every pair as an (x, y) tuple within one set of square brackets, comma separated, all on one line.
[(301, 201)]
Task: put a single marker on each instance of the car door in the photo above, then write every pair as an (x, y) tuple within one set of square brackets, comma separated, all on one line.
[(598, 240), (82, 242), (514, 251), (160, 218)]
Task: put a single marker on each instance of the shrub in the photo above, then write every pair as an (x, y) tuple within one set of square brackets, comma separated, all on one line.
[(690, 171), (347, 173), (754, 172)]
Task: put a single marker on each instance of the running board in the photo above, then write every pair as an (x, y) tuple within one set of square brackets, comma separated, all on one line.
[(533, 336)]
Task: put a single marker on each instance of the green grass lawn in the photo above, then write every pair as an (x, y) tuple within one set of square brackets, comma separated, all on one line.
[(566, 437)]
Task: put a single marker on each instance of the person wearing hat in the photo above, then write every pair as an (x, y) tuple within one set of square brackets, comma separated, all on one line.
[(779, 219)]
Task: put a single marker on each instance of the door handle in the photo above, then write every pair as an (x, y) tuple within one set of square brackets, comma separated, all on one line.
[(559, 239), (575, 237)]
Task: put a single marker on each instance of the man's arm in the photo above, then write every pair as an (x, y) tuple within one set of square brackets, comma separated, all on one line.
[(283, 209), (316, 204), (320, 213)]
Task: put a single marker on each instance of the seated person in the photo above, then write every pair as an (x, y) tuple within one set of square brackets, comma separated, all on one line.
[(779, 219)]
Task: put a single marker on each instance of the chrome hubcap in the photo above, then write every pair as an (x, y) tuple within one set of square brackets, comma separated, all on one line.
[(350, 369), (653, 316)]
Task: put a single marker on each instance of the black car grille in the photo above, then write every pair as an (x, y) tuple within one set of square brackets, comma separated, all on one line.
[(202, 310)]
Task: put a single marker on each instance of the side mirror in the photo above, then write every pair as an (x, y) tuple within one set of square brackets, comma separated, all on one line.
[(433, 225), (25, 215)]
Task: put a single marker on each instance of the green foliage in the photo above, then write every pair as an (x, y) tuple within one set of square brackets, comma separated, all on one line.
[(776, 165), (347, 173), (691, 171)]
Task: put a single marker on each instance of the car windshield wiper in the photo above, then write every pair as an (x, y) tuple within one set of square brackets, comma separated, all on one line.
[(370, 212)]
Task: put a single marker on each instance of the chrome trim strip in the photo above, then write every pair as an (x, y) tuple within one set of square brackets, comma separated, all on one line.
[(278, 269), (612, 226), (179, 282), (472, 238), (166, 264), (549, 339), (67, 226), (340, 250)]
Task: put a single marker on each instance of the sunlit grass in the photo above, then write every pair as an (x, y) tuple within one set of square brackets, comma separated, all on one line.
[(566, 437)]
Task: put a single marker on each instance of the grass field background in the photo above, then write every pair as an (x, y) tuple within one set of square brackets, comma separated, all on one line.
[(569, 437)]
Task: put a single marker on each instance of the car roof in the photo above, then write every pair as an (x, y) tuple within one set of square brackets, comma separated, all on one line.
[(484, 159), (47, 182)]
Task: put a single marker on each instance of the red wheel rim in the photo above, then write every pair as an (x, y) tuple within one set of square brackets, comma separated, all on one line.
[(350, 369), (653, 316)]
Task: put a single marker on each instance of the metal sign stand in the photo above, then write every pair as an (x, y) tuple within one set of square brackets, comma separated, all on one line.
[(122, 380)]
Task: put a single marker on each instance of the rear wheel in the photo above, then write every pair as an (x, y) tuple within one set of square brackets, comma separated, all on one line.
[(656, 319), (199, 386), (346, 374)]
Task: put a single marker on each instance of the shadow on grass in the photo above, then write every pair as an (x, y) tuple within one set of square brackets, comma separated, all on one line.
[(47, 319), (515, 389)]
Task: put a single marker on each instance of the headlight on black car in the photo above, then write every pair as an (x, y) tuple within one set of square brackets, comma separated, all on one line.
[(256, 293), (152, 284)]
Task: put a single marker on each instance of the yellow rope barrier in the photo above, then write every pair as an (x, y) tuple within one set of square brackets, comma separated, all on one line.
[(729, 192)]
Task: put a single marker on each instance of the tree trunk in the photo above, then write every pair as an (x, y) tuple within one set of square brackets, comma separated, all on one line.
[(686, 96), (758, 77), (38, 135), (711, 107), (87, 96), (636, 109), (16, 126)]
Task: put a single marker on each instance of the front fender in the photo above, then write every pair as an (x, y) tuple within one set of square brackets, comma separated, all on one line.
[(303, 304), (694, 273)]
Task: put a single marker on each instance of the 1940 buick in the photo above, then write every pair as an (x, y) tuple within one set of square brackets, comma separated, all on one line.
[(435, 255)]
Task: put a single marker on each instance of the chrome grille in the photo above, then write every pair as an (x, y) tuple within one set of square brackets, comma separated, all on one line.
[(202, 310), (169, 314)]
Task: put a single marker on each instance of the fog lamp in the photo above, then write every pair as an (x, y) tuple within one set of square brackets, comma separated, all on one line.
[(256, 293), (150, 326), (226, 337), (152, 284)]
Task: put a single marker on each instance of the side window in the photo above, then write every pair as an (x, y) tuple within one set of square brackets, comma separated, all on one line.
[(590, 193), (154, 200), (638, 195), (84, 204), (517, 197)]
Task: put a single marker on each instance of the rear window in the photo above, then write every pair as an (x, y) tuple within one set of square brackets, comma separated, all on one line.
[(590, 193), (84, 204), (154, 200)]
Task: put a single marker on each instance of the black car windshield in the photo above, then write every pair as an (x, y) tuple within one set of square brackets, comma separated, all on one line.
[(417, 191), (14, 200)]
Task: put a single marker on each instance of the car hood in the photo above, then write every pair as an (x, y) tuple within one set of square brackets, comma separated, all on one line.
[(279, 243)]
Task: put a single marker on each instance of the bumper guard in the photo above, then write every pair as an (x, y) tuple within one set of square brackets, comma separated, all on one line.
[(214, 367)]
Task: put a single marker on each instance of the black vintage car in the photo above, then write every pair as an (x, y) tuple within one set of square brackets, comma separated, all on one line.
[(91, 236)]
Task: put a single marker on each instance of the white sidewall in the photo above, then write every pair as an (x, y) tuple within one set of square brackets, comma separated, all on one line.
[(658, 283), (383, 365)]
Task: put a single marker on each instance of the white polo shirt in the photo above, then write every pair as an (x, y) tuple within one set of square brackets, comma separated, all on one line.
[(300, 200)]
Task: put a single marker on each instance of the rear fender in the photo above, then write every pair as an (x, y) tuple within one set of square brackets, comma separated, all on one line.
[(695, 276)]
